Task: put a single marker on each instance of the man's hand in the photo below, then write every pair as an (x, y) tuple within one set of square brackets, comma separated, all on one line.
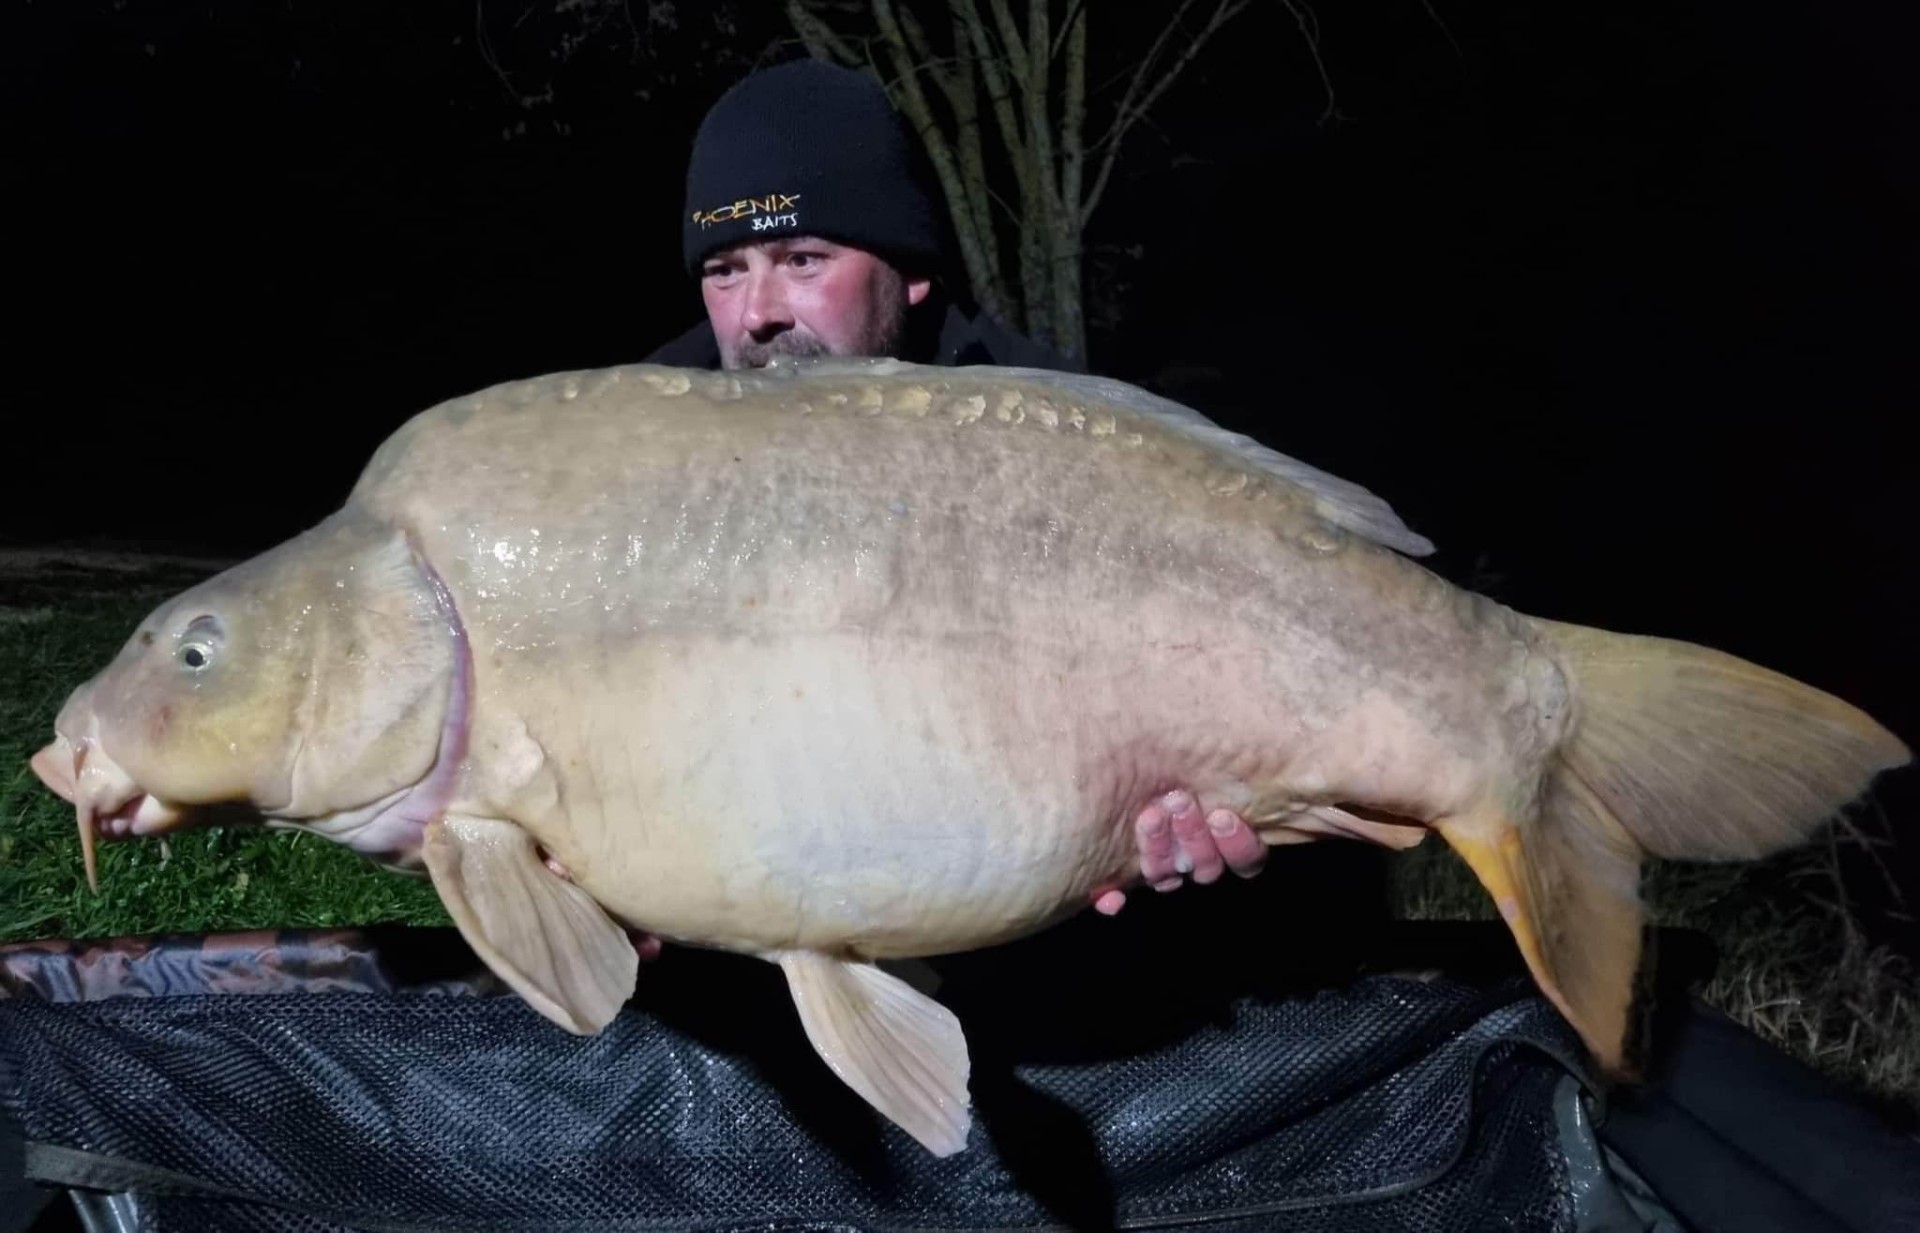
[(1174, 840)]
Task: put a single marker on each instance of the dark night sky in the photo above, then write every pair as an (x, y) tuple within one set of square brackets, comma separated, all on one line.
[(1618, 296)]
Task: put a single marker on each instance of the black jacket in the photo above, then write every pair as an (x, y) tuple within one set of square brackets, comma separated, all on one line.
[(962, 340)]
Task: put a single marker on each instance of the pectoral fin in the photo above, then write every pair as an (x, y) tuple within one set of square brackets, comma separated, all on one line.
[(543, 935), (901, 1050)]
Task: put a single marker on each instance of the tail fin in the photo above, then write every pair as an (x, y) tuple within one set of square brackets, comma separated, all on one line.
[(1678, 751), (1704, 756)]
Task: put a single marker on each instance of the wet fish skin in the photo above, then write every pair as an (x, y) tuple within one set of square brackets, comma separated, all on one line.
[(859, 660), (988, 640)]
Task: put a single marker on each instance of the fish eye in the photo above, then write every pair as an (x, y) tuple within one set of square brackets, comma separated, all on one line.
[(198, 643)]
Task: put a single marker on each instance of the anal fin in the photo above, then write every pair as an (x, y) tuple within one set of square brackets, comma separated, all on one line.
[(903, 1052), (1567, 885), (540, 933)]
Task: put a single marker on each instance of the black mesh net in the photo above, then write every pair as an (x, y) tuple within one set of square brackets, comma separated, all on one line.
[(318, 1093)]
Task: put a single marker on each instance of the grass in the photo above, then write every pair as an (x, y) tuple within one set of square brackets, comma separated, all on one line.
[(1794, 966), (53, 635)]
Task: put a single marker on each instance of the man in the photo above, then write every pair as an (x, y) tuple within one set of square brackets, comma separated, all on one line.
[(812, 230), (811, 227)]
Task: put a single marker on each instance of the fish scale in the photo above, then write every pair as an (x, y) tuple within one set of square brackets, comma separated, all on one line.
[(842, 661)]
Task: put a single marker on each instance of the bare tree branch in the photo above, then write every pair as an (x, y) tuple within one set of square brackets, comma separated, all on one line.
[(1433, 13), (1311, 33), (916, 37), (982, 275), (913, 99), (995, 71), (1039, 75), (821, 41), (1069, 307), (1074, 112), (941, 68), (965, 101), (1130, 110), (998, 93), (1010, 35), (1066, 27), (1140, 73), (1228, 10), (486, 53), (1059, 161), (1042, 205)]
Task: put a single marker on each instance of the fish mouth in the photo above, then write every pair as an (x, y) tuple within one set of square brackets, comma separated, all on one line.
[(107, 803)]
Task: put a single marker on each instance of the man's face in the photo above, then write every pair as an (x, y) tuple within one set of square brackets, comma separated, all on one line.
[(802, 296)]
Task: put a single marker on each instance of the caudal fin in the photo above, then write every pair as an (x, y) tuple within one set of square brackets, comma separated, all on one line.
[(1675, 750)]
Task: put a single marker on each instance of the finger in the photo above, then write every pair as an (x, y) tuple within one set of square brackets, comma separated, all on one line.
[(1153, 834), (1199, 854), (1238, 845)]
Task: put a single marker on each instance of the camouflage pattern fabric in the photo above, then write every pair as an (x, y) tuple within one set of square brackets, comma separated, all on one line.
[(259, 962)]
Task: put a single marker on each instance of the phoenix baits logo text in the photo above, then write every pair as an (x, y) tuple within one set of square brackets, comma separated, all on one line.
[(766, 212)]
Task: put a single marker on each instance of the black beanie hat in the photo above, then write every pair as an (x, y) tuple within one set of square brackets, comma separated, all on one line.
[(808, 148)]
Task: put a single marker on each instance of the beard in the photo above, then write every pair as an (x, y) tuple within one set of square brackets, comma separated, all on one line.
[(795, 342), (886, 325)]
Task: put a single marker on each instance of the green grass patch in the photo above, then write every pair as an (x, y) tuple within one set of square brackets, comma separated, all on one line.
[(233, 878)]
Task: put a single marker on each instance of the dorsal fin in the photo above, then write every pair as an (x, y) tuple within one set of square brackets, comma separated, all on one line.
[(1341, 502)]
